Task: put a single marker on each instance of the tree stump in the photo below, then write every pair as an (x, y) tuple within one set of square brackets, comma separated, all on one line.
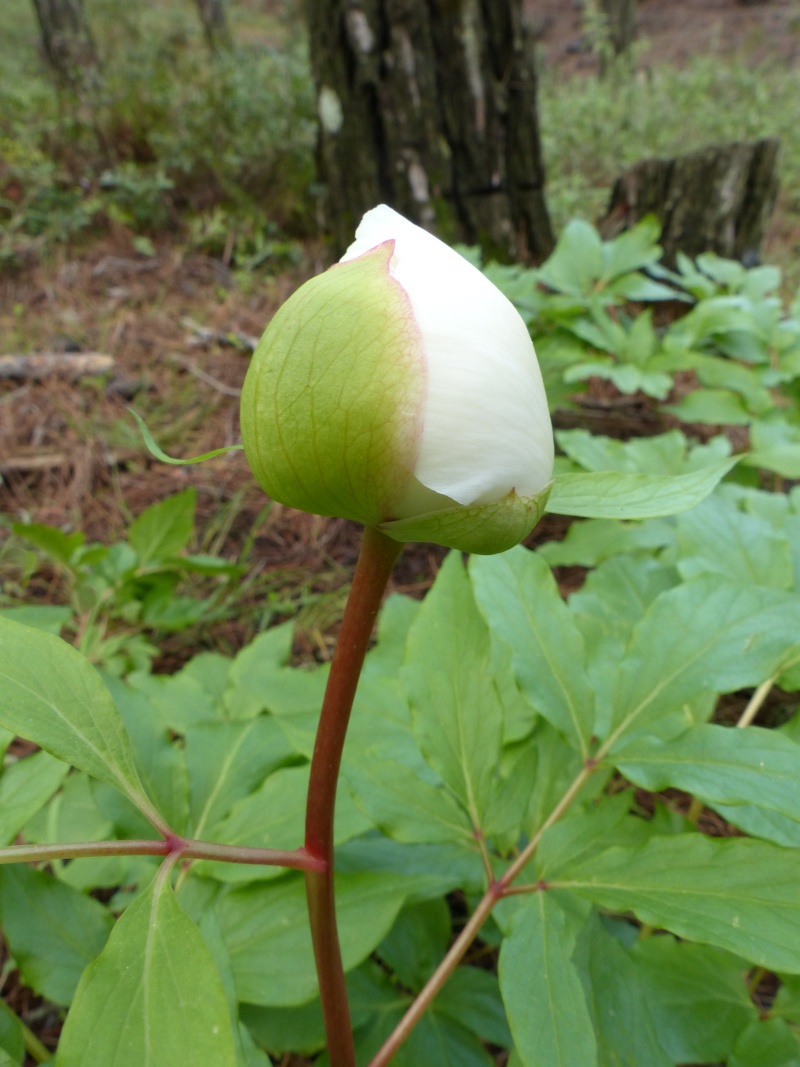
[(718, 199), (431, 108)]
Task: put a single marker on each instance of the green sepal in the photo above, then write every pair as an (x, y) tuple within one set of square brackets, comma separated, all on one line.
[(332, 402), (484, 529)]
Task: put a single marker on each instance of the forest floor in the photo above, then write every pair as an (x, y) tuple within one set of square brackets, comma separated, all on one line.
[(70, 454)]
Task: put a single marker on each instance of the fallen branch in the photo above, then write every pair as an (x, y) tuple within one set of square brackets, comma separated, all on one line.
[(50, 364), (233, 339)]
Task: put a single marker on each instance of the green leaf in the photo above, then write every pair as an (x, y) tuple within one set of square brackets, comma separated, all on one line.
[(696, 995), (164, 529), (719, 538), (12, 1043), (266, 930), (737, 894), (405, 806), (153, 996), (767, 1043), (594, 540), (153, 448), (299, 1029), (577, 262), (25, 787), (702, 635), (722, 766), (542, 992), (624, 1030), (666, 453), (47, 617), (472, 997), (455, 707), (520, 600), (58, 545), (716, 407), (227, 761), (417, 942), (53, 931), (53, 696), (614, 495), (633, 249), (159, 760), (775, 444)]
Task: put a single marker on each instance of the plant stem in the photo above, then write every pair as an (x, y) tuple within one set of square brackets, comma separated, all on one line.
[(755, 702), (457, 950), (33, 1046), (185, 848), (375, 562)]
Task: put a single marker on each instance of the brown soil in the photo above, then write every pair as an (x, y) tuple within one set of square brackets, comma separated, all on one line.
[(672, 31)]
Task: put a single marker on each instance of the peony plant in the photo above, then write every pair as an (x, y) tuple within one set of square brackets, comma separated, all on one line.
[(401, 389)]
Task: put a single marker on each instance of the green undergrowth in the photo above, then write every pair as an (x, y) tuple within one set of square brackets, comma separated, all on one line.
[(593, 128), (643, 731)]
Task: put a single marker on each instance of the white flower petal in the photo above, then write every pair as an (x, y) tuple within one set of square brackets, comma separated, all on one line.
[(485, 427)]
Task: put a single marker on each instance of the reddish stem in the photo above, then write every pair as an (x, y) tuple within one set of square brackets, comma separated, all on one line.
[(375, 562)]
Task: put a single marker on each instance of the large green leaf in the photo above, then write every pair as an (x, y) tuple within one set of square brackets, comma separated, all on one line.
[(228, 760), (738, 894), (455, 706), (405, 806), (160, 761), (615, 495), (766, 1043), (542, 992), (703, 635), (51, 695), (720, 538), (697, 997), (12, 1043), (472, 996), (520, 600), (153, 997), (752, 767), (417, 942), (266, 930), (25, 787), (626, 1036), (53, 931)]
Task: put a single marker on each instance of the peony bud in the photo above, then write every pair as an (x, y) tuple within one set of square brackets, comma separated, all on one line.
[(400, 388)]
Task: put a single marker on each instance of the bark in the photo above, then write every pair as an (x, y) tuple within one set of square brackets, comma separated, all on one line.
[(621, 21), (717, 199), (430, 106), (68, 43), (214, 18)]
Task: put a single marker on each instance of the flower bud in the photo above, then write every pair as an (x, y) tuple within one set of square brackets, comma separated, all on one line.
[(400, 388)]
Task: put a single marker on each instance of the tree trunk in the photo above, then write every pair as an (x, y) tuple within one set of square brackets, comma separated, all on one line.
[(717, 199), (67, 42), (621, 22), (431, 108), (214, 17)]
